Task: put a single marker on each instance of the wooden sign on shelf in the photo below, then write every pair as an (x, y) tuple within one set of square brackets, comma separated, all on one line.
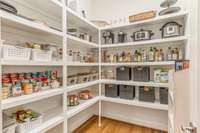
[(142, 16)]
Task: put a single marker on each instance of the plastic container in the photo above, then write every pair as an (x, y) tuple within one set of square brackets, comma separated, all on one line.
[(126, 92), (28, 126), (111, 90), (9, 124), (163, 95), (147, 94), (16, 53), (41, 55)]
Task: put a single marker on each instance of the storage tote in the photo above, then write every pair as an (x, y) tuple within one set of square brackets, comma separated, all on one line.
[(126, 92), (9, 124), (28, 126), (123, 73), (163, 95), (111, 90), (141, 74), (41, 55), (147, 94), (16, 53)]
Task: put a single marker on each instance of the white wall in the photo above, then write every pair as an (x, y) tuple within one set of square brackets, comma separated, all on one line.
[(115, 9)]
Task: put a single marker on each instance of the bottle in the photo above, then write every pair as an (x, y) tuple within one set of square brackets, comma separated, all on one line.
[(70, 56), (169, 54), (144, 55), (139, 57), (175, 54), (136, 56), (151, 54), (180, 54), (161, 55), (157, 54)]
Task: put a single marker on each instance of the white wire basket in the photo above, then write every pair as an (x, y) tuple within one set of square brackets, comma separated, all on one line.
[(16, 53), (41, 55), (28, 126)]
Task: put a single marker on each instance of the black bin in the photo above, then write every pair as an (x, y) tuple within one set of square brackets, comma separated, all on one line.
[(141, 74), (126, 92), (123, 73), (147, 94), (111, 90), (163, 95)]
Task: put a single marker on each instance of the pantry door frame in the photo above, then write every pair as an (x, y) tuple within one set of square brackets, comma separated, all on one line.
[(194, 39)]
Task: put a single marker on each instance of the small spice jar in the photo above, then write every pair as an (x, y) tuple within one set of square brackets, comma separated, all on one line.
[(73, 100)]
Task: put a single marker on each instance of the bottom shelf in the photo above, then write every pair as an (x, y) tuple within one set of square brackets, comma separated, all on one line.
[(52, 118), (84, 104), (136, 103)]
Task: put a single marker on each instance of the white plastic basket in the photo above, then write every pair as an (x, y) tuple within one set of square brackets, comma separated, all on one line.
[(41, 55), (16, 53), (28, 126)]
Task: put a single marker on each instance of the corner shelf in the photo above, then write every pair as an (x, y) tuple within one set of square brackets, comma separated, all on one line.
[(17, 22), (81, 22), (81, 86), (84, 104), (157, 19), (24, 99), (30, 63), (81, 64), (134, 83), (137, 103), (161, 63), (77, 42), (146, 43)]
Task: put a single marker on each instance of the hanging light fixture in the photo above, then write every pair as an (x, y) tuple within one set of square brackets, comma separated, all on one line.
[(167, 4)]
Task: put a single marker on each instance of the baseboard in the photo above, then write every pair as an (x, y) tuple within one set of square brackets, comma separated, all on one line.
[(80, 121), (136, 121)]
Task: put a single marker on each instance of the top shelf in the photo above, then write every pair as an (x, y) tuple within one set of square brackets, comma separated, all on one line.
[(20, 23), (158, 19), (76, 20)]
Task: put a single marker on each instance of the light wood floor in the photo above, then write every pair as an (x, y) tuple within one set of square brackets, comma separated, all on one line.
[(112, 126)]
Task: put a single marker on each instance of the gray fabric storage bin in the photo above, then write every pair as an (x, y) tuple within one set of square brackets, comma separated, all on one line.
[(147, 94), (126, 92), (141, 74), (123, 73), (111, 90), (163, 95)]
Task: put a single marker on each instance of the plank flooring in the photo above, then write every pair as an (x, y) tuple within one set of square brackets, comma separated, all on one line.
[(112, 126)]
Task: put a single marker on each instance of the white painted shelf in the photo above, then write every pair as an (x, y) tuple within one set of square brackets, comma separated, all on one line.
[(81, 64), (84, 104), (162, 63), (30, 63), (80, 43), (20, 23), (51, 119), (48, 124), (148, 42), (16, 101), (137, 103), (82, 85), (134, 83), (77, 20), (157, 19)]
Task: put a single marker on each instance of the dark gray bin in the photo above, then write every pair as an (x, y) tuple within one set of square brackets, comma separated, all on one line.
[(163, 95), (126, 92), (141, 74), (123, 73), (111, 90), (147, 94)]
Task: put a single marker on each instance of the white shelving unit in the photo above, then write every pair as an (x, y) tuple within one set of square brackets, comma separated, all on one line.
[(155, 105), (162, 63), (52, 119)]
